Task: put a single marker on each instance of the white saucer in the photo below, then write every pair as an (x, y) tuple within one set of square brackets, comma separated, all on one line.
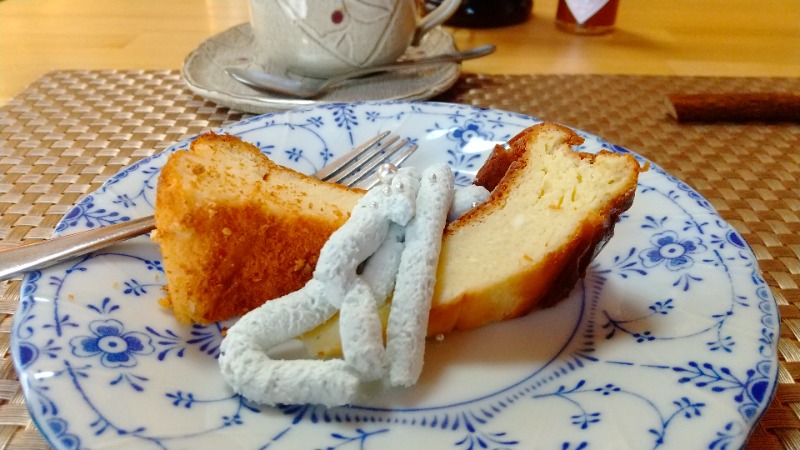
[(203, 71)]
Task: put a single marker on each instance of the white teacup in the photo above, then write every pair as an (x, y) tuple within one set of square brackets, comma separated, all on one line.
[(324, 38)]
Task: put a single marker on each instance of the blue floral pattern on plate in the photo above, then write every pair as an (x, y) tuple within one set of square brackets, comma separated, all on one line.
[(669, 341)]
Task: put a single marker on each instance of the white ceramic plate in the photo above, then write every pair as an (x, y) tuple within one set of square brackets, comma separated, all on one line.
[(204, 74), (668, 342)]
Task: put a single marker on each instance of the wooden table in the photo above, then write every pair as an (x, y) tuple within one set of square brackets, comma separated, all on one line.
[(683, 37)]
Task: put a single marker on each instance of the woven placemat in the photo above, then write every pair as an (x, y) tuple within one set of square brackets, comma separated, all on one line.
[(67, 133)]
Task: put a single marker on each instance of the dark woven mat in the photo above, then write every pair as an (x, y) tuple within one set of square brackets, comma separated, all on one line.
[(66, 134)]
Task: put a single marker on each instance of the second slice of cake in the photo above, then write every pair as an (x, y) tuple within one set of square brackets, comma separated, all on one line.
[(550, 215)]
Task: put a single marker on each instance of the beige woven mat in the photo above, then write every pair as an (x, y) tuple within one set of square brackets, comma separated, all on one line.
[(70, 131)]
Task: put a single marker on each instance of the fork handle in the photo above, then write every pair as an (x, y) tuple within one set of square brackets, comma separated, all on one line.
[(24, 258)]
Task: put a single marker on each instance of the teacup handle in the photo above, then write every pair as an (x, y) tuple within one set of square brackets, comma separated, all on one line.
[(442, 12)]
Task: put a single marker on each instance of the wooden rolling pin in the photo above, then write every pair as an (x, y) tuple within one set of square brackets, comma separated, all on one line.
[(735, 107)]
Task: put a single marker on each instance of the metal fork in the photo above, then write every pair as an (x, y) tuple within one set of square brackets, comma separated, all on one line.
[(355, 168)]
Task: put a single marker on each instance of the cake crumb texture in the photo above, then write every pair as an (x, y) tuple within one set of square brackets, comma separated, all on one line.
[(235, 229), (549, 215)]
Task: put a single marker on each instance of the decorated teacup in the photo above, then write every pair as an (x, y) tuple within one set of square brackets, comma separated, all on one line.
[(324, 38)]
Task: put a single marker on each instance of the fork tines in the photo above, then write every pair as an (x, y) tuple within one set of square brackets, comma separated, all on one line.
[(357, 166)]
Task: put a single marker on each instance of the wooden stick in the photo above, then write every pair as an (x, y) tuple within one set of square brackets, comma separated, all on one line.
[(735, 107)]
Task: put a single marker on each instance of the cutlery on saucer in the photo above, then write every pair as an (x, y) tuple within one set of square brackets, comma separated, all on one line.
[(312, 87)]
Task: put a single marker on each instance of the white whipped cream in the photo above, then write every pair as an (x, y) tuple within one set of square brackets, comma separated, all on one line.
[(416, 276), (399, 224), (465, 199)]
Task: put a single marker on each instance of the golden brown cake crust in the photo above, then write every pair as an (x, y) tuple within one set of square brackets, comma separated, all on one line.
[(226, 253), (543, 282), (595, 231)]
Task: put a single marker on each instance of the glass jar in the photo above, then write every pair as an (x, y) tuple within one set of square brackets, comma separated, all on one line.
[(487, 13), (587, 16)]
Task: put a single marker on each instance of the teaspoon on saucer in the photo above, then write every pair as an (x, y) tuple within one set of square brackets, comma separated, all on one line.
[(312, 87)]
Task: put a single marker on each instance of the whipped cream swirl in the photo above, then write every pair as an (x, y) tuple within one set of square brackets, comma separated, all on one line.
[(396, 228)]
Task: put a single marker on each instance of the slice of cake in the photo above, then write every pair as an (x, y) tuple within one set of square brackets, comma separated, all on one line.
[(550, 214), (551, 211), (236, 229)]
